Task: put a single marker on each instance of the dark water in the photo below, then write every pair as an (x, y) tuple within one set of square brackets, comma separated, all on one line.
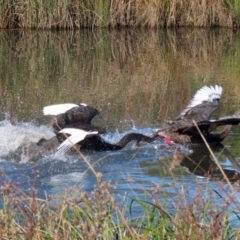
[(137, 79)]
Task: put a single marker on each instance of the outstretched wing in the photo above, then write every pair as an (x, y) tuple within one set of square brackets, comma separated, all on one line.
[(71, 115), (83, 127), (76, 135), (204, 102), (209, 125)]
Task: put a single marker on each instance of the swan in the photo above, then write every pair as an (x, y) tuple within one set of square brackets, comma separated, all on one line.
[(72, 126), (199, 109), (70, 115)]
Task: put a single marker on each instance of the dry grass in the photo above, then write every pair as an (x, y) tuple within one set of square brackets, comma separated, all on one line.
[(70, 14), (97, 215)]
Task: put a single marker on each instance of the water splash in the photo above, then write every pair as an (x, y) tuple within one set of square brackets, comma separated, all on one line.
[(15, 136)]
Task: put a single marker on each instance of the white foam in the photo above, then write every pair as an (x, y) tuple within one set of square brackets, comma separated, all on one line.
[(14, 136), (67, 178)]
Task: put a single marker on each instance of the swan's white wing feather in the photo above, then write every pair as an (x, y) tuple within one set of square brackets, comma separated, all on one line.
[(77, 135), (203, 94), (58, 108), (83, 104)]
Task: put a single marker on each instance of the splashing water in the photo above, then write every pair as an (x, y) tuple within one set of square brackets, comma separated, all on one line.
[(19, 135)]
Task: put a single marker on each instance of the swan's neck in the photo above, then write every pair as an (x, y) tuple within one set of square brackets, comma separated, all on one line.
[(218, 137), (134, 137)]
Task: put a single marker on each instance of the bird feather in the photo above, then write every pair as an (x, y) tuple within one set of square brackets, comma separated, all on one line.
[(77, 135)]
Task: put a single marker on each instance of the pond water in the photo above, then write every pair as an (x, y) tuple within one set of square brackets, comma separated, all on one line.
[(137, 79)]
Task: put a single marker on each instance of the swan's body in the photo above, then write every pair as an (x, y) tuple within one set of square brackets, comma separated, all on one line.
[(73, 127), (70, 115), (200, 108)]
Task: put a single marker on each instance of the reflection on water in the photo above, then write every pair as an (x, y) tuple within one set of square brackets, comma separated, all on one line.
[(137, 79), (201, 163), (127, 74)]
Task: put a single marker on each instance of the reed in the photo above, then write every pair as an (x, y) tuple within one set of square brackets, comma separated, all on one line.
[(71, 14), (97, 215)]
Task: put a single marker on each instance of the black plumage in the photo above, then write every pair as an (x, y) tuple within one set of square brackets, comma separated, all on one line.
[(199, 110), (70, 118)]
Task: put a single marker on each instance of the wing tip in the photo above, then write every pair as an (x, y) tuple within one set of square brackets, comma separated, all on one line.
[(58, 108), (77, 135), (205, 93)]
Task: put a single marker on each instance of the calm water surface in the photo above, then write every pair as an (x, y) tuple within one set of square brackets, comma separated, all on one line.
[(137, 79)]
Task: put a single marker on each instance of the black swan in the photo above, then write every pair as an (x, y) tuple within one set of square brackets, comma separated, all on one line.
[(200, 162), (200, 108), (72, 126)]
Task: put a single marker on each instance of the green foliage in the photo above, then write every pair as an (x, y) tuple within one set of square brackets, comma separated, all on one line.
[(235, 4)]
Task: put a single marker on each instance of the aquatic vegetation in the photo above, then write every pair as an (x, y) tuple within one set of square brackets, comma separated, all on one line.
[(209, 213), (70, 14)]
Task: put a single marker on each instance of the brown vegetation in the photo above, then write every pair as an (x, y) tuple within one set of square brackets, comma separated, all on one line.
[(147, 80), (184, 214), (70, 14)]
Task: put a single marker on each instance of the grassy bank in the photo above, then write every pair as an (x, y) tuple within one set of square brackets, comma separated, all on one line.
[(96, 215), (70, 14)]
